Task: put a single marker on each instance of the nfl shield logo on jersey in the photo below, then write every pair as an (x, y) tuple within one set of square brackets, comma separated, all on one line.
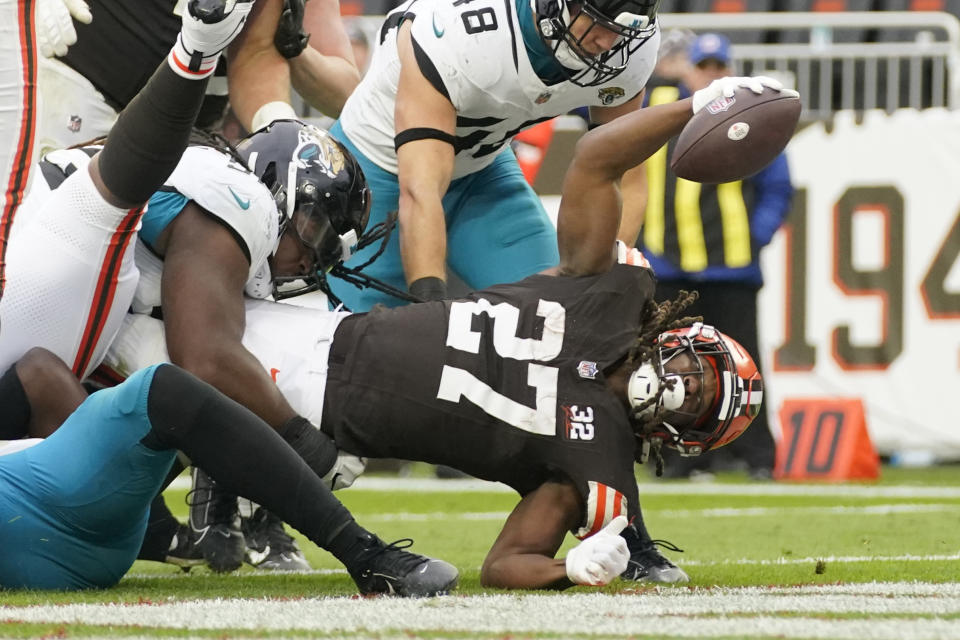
[(587, 369), (74, 124)]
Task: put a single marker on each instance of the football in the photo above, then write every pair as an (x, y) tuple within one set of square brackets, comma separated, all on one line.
[(733, 138)]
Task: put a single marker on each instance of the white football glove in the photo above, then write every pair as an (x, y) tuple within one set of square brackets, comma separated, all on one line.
[(344, 471), (55, 30), (601, 557), (208, 27), (726, 87)]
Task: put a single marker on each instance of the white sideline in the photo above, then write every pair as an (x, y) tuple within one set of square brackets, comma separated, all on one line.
[(881, 611)]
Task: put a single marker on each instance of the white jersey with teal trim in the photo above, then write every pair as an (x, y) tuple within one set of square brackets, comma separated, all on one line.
[(477, 49), (228, 190), (291, 342)]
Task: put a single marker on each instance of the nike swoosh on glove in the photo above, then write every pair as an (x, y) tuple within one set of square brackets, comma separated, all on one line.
[(601, 557), (54, 24), (344, 471), (726, 87)]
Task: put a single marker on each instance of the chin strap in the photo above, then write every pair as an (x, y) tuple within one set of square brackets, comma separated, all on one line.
[(354, 275)]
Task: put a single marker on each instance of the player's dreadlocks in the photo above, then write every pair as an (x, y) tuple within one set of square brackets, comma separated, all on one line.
[(204, 138), (198, 138), (654, 320)]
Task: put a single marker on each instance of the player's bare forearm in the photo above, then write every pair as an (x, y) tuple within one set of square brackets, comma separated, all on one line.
[(423, 238), (523, 555), (589, 216), (257, 73), (204, 317), (607, 152), (325, 82), (325, 73), (526, 571), (239, 375), (633, 190)]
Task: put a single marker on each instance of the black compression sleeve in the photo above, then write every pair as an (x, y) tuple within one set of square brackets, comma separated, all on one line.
[(314, 446), (150, 135), (429, 289), (15, 416), (242, 453)]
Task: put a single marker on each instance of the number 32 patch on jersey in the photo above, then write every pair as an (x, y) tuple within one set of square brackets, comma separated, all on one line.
[(578, 422)]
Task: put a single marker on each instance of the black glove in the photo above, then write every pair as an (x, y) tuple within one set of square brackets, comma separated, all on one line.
[(313, 445), (290, 38), (429, 289)]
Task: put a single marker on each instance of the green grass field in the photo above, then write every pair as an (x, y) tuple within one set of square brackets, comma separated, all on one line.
[(773, 539)]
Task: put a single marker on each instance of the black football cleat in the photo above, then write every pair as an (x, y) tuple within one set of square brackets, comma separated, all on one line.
[(389, 570), (649, 565), (269, 546), (184, 551), (215, 524)]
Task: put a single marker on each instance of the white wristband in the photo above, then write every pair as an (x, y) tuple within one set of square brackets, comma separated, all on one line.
[(276, 110)]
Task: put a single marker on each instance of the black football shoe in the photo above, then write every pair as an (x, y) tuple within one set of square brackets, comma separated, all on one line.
[(269, 546), (389, 570), (649, 565), (215, 524), (184, 551)]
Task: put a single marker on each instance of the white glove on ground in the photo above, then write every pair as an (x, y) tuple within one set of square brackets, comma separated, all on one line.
[(208, 27), (601, 557), (55, 30), (344, 471), (726, 87)]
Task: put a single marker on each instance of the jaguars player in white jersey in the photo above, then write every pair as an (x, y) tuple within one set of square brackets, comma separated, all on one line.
[(213, 217), (450, 83)]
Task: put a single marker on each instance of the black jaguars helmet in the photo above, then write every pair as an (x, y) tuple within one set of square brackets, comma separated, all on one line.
[(320, 191), (634, 22)]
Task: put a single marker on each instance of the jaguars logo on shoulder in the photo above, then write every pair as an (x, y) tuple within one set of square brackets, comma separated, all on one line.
[(608, 95)]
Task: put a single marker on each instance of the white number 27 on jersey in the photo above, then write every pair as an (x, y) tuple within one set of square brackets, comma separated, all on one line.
[(456, 383)]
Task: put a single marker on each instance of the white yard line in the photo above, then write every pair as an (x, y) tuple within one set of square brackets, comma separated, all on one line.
[(432, 485), (869, 510), (811, 560), (696, 613)]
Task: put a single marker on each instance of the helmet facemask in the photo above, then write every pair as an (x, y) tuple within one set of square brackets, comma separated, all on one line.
[(633, 22), (314, 218), (728, 389), (675, 393)]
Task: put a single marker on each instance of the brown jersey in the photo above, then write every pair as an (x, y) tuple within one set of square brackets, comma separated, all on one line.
[(506, 384)]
